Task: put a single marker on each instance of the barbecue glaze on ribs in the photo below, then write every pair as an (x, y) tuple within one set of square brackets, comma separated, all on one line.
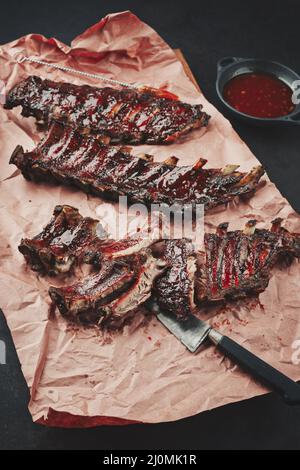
[(234, 264), (65, 156), (68, 239), (239, 263), (175, 288), (120, 116), (126, 269), (111, 296)]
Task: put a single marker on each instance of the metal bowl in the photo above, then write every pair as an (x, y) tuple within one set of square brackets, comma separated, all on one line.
[(230, 67)]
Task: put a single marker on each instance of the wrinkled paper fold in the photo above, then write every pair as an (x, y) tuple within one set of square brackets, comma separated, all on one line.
[(143, 373)]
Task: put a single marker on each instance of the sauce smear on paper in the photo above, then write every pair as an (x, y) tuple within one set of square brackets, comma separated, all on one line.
[(260, 95)]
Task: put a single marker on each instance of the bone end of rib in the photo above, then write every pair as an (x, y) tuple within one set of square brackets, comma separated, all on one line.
[(228, 169), (250, 227), (253, 176), (172, 161), (199, 163), (146, 156)]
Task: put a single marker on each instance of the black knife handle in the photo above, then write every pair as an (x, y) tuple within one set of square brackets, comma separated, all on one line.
[(286, 387)]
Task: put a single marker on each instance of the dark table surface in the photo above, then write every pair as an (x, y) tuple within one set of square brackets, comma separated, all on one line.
[(205, 31)]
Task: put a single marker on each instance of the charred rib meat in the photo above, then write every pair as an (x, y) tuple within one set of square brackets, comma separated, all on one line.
[(70, 239), (111, 296), (70, 158), (233, 264), (125, 116), (126, 268), (66, 240), (238, 263), (175, 289)]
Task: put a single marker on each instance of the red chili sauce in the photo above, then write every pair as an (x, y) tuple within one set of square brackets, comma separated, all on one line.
[(260, 95)]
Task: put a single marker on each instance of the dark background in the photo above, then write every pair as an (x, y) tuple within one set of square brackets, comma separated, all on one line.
[(205, 31)]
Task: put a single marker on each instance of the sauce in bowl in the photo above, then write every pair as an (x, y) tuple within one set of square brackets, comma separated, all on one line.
[(260, 95)]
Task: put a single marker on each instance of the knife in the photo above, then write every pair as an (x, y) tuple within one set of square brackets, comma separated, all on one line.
[(193, 332)]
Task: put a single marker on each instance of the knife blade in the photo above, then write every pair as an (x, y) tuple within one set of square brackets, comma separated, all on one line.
[(193, 332)]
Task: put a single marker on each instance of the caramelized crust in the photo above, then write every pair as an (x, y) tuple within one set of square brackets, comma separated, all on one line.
[(238, 263), (233, 264), (67, 240), (119, 116), (175, 289), (67, 157), (111, 296)]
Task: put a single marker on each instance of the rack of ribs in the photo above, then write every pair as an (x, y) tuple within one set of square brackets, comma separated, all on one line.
[(124, 270), (65, 156), (112, 295), (70, 239), (233, 264), (120, 116), (238, 263)]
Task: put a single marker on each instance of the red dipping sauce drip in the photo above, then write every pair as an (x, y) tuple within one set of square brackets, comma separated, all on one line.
[(260, 95)]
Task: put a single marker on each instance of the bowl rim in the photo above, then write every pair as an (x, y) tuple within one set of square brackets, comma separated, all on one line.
[(234, 61)]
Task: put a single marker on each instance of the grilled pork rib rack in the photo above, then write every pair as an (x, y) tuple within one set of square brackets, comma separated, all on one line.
[(126, 268), (67, 240), (112, 295), (238, 263), (126, 116), (70, 239), (234, 264), (65, 156)]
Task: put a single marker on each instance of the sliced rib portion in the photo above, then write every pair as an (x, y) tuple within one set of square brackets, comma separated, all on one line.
[(83, 300), (67, 157), (127, 116), (66, 240), (233, 264), (111, 296), (175, 289), (70, 239), (238, 263)]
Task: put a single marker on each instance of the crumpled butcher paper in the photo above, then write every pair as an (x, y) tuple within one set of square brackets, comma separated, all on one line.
[(84, 377)]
